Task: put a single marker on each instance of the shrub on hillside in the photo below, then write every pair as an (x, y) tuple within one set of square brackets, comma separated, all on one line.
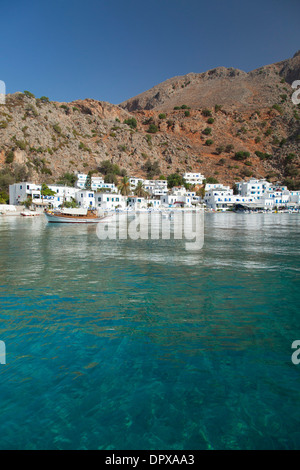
[(241, 155), (206, 112), (131, 122), (152, 129)]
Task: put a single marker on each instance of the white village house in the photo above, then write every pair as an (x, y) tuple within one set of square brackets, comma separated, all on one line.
[(194, 178), (85, 198), (19, 192), (109, 202), (97, 183)]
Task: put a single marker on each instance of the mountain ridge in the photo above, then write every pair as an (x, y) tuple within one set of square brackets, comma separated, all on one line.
[(231, 87)]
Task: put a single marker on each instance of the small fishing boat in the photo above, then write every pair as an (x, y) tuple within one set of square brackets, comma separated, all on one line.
[(79, 216), (26, 213)]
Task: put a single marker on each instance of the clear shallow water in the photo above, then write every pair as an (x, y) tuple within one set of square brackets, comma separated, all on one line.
[(143, 345)]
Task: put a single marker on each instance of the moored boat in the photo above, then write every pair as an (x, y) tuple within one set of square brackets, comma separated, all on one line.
[(27, 213), (81, 216)]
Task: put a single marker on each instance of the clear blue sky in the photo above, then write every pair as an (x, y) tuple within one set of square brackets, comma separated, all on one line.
[(113, 50)]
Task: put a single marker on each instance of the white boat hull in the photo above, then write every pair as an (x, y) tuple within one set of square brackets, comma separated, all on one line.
[(29, 214)]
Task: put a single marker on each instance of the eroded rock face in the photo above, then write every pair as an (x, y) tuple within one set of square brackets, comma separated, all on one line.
[(221, 112)]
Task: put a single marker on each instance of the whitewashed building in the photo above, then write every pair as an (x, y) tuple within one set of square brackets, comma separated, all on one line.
[(156, 187), (81, 179), (174, 200), (254, 188), (178, 191), (154, 203), (133, 181), (19, 192), (224, 199), (153, 187), (219, 186), (267, 195), (85, 198), (193, 178), (110, 202), (295, 197), (136, 202), (97, 183), (63, 194), (275, 198)]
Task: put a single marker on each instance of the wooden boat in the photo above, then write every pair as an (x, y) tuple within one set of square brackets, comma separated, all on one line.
[(79, 216)]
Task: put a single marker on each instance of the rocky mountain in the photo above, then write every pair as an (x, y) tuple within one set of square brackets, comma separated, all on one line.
[(226, 123), (229, 87)]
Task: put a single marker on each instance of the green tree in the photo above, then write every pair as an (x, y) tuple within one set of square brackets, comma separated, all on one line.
[(46, 191), (9, 157), (57, 128), (152, 129), (241, 155), (68, 179), (88, 181), (220, 149), (140, 190), (131, 122), (206, 112), (211, 180), (70, 204), (175, 179), (105, 167), (111, 178), (4, 197), (229, 148), (28, 94), (27, 203), (44, 99), (124, 186), (201, 192), (109, 168), (152, 169)]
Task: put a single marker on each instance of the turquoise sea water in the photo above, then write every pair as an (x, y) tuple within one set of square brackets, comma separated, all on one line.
[(144, 345)]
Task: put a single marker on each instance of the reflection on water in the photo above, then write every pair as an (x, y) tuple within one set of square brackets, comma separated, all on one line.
[(141, 344)]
